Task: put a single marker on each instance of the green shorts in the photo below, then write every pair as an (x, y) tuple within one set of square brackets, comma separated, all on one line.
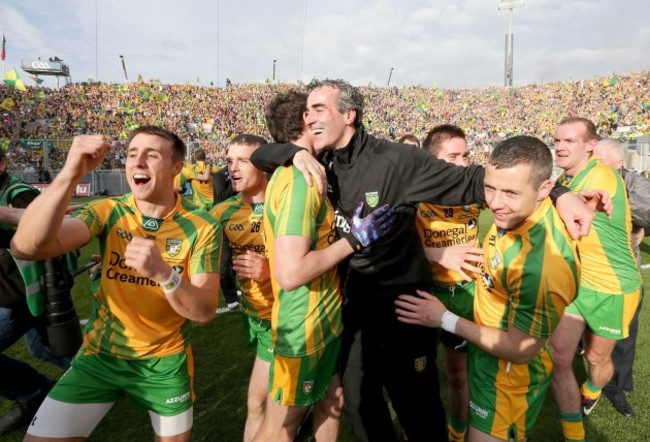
[(162, 385), (302, 381), (459, 299), (258, 337), (506, 398), (606, 315)]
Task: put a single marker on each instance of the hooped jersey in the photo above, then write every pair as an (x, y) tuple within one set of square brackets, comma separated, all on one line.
[(531, 273), (242, 224), (305, 319), (446, 226), (131, 316), (608, 261)]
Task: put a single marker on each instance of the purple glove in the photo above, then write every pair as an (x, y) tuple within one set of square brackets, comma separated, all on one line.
[(368, 230)]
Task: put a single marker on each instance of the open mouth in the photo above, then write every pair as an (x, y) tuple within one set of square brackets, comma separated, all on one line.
[(140, 179), (317, 131)]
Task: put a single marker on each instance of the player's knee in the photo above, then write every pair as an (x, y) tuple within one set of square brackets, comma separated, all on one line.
[(333, 402), (457, 379), (256, 403), (597, 357), (562, 356)]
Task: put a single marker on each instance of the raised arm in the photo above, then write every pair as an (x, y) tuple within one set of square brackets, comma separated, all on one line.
[(43, 232)]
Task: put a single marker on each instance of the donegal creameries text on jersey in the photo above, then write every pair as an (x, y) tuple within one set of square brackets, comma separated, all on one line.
[(442, 226), (242, 224), (131, 316)]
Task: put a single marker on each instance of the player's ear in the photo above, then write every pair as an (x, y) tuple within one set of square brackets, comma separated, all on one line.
[(544, 190), (177, 166)]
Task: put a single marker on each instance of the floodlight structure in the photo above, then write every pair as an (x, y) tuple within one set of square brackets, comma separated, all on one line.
[(510, 5)]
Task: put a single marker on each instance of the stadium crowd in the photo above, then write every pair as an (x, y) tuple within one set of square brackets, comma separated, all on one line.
[(377, 345), (211, 116)]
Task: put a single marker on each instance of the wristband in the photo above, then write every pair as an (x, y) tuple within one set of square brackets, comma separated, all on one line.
[(448, 322), (172, 283)]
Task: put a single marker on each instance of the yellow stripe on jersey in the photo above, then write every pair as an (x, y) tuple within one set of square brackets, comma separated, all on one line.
[(531, 274), (203, 191), (131, 316), (609, 266), (305, 319), (442, 226), (242, 224)]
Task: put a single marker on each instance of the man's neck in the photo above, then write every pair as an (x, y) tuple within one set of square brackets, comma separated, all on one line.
[(157, 210), (346, 138), (577, 169), (253, 197)]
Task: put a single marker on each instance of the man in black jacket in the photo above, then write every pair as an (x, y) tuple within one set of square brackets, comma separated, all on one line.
[(378, 351), (19, 382)]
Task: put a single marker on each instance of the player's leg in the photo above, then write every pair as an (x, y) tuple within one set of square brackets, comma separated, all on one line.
[(281, 422), (163, 387), (257, 393), (327, 412), (63, 422), (78, 401), (177, 428), (563, 344), (260, 339), (456, 369)]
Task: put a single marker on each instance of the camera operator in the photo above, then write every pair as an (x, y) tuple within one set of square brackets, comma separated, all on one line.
[(19, 382)]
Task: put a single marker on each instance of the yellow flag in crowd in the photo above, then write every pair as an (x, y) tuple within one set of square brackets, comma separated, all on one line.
[(7, 104), (13, 79)]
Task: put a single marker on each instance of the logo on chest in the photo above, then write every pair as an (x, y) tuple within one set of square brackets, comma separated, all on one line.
[(495, 261), (173, 246), (372, 198)]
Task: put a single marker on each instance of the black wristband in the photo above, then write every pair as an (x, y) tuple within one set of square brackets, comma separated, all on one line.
[(557, 191)]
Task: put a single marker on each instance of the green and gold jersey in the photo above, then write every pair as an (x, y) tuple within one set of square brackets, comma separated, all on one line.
[(305, 319), (441, 226), (531, 273), (242, 224), (203, 191), (131, 316), (607, 257), (186, 174)]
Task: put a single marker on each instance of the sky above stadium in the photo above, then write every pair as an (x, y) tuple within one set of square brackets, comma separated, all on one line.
[(457, 43)]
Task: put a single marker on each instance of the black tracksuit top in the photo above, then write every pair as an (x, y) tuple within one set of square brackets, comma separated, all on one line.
[(379, 172)]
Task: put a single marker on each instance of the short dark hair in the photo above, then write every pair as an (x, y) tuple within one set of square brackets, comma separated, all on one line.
[(246, 140), (199, 155), (590, 128), (350, 97), (524, 149), (179, 149), (284, 116), (409, 139), (439, 135)]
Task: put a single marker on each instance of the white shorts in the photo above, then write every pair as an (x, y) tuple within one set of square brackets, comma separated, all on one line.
[(55, 419)]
